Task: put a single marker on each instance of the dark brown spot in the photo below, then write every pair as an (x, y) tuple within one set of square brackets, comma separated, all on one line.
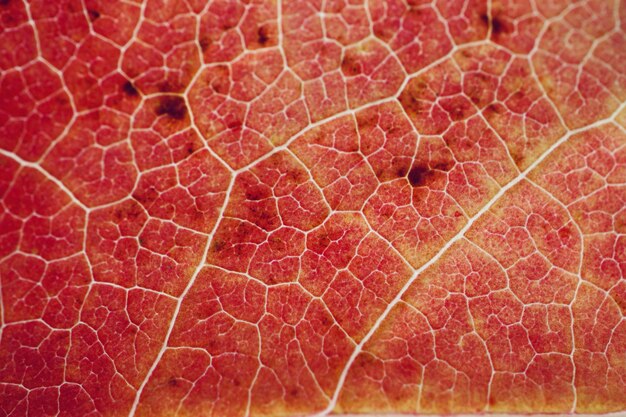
[(496, 26), (4, 2), (130, 89), (418, 175), (172, 106), (294, 392), (500, 27), (93, 14), (204, 43), (262, 35), (173, 382), (351, 66)]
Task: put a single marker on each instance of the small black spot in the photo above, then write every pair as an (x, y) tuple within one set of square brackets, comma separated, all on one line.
[(4, 2), (263, 36), (418, 175), (93, 14), (173, 382), (130, 89), (172, 106)]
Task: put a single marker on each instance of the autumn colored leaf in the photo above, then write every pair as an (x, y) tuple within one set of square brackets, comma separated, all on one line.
[(249, 208)]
